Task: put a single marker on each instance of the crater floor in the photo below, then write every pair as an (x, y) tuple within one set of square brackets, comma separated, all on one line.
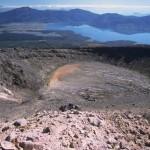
[(46, 79), (97, 85)]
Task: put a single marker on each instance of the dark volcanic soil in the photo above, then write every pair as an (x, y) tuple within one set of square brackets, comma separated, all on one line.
[(32, 80)]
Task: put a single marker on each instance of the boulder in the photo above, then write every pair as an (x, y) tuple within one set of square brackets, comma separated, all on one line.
[(69, 106), (94, 121), (27, 145), (7, 145), (20, 122), (46, 130), (12, 137)]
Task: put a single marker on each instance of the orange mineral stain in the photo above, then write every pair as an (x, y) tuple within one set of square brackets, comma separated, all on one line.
[(62, 72)]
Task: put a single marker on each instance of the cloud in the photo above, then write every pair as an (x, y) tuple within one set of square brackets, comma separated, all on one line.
[(89, 6), (95, 6), (121, 9)]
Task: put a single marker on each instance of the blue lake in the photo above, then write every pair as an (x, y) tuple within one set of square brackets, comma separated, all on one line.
[(96, 34)]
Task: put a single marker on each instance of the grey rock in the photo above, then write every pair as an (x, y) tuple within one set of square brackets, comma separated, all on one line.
[(27, 145), (20, 122), (46, 130), (69, 106), (72, 145), (38, 146), (95, 121), (7, 145), (5, 128), (123, 144), (143, 131), (147, 143), (12, 137), (129, 115), (111, 141), (30, 139)]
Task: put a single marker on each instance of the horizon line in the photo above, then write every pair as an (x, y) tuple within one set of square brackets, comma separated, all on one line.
[(81, 6)]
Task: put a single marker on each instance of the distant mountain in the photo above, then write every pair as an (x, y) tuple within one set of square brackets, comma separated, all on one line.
[(114, 22), (26, 14), (4, 9)]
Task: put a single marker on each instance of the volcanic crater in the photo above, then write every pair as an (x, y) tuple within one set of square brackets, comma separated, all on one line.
[(35, 79)]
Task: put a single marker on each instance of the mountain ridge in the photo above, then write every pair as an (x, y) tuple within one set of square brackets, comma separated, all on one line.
[(109, 21)]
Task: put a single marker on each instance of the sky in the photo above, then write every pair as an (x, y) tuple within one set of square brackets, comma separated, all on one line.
[(99, 6)]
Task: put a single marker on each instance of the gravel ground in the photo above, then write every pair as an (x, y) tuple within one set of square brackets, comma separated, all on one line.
[(74, 129)]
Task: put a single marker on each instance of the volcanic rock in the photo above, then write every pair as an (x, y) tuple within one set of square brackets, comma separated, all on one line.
[(7, 145), (20, 122)]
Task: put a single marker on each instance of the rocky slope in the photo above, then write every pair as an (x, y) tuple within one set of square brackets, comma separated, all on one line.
[(74, 129), (89, 103)]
